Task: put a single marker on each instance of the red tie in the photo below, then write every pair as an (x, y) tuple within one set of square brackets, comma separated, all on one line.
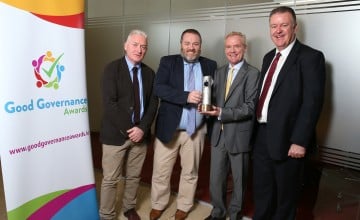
[(136, 96), (267, 84)]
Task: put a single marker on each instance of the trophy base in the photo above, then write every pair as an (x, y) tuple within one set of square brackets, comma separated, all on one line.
[(205, 108)]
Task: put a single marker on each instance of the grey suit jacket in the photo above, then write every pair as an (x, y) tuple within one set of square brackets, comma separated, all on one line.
[(238, 110)]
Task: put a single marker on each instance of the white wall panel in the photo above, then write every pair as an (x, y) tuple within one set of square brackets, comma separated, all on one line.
[(330, 26)]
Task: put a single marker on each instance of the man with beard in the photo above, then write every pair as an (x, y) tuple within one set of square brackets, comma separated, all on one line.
[(180, 129)]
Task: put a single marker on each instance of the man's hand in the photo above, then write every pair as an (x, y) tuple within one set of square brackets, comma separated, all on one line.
[(296, 151), (135, 134), (194, 97), (215, 111)]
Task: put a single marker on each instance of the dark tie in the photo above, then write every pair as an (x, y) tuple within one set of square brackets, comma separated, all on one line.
[(267, 84), (192, 111), (136, 96)]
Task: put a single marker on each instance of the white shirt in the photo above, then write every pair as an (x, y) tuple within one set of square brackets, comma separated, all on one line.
[(284, 54)]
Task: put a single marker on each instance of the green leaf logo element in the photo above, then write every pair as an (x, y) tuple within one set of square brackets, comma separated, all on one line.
[(51, 70)]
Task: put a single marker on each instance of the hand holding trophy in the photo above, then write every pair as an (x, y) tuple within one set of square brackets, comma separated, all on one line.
[(206, 94)]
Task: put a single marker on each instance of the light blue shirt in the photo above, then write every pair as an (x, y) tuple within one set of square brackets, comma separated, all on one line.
[(198, 86), (131, 65)]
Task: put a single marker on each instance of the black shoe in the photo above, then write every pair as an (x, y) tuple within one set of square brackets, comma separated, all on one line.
[(213, 218), (131, 214)]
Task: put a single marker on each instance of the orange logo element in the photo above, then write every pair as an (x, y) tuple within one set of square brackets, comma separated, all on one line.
[(68, 13)]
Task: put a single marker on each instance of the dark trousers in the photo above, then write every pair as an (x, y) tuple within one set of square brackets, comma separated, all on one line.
[(277, 183)]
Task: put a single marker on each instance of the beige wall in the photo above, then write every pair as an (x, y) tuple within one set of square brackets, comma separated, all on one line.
[(108, 23), (321, 25)]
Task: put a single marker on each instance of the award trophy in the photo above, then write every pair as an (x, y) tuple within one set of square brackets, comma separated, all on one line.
[(206, 94)]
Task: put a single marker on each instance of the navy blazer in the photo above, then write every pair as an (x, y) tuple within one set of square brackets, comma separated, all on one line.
[(118, 102), (296, 101), (169, 87)]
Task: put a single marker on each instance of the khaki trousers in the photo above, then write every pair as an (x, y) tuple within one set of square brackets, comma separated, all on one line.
[(118, 162), (165, 155)]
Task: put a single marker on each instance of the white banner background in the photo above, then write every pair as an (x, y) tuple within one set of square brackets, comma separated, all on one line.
[(44, 149)]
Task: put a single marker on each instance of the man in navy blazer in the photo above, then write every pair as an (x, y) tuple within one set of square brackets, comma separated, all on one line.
[(286, 118), (170, 112), (176, 76)]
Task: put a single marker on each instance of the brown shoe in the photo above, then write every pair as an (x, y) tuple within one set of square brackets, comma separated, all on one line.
[(180, 215), (155, 214), (131, 214)]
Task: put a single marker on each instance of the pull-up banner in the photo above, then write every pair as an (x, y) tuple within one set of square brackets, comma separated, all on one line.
[(44, 127)]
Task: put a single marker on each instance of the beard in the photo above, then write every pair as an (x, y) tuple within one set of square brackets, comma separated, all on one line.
[(190, 59)]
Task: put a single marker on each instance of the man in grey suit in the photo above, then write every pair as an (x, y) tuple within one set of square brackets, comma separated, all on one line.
[(234, 98)]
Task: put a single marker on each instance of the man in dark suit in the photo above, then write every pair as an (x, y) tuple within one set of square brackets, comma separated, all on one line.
[(235, 92), (129, 110), (287, 113), (179, 128)]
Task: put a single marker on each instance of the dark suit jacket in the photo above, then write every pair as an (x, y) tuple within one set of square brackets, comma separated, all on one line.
[(118, 102), (238, 110), (296, 101), (169, 87)]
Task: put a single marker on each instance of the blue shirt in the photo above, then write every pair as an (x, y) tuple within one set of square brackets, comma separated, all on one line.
[(198, 86)]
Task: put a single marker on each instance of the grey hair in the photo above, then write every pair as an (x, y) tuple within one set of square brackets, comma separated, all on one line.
[(136, 32), (236, 33)]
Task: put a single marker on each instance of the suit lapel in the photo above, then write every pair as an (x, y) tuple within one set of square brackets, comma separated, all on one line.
[(179, 70), (237, 80), (124, 69), (222, 74), (204, 67), (265, 66), (284, 72)]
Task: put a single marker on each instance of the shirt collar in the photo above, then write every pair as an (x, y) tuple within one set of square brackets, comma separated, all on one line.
[(130, 64), (237, 66), (285, 52)]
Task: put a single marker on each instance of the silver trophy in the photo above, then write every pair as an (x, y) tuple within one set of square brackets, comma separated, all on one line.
[(206, 94)]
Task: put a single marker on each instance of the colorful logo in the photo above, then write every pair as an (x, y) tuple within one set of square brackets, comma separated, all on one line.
[(48, 70)]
